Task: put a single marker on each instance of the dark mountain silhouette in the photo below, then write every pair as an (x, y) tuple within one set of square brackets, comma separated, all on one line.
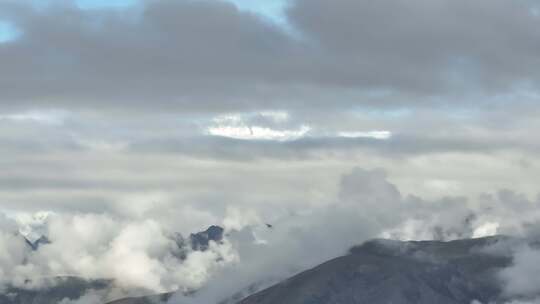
[(61, 288), (376, 272), (43, 240), (383, 271), (201, 240), (380, 271), (163, 298)]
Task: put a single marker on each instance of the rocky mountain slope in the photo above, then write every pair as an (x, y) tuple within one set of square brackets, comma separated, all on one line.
[(63, 288), (376, 272), (457, 272), (383, 271)]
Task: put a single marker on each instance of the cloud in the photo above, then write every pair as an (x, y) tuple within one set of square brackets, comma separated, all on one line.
[(423, 48), (298, 96), (91, 297), (139, 251), (519, 279), (368, 206), (40, 117), (235, 127), (12, 254), (138, 256), (170, 116), (368, 134), (345, 55)]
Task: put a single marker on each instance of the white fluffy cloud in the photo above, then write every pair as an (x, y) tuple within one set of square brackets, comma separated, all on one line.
[(140, 255)]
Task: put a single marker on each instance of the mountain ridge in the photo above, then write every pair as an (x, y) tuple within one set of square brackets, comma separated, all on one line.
[(399, 272)]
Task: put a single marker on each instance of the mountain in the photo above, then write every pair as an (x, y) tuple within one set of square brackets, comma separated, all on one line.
[(385, 271), (73, 287), (43, 240), (376, 272), (62, 288), (382, 271), (201, 240), (163, 298)]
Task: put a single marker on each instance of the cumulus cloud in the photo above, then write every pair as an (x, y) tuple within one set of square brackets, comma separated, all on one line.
[(12, 254), (368, 206), (519, 279), (138, 257), (141, 256)]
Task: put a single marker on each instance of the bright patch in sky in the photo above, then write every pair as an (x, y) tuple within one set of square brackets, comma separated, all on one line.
[(273, 9), (276, 116), (45, 117), (236, 126), (258, 133), (241, 126), (486, 229), (368, 134), (98, 4), (8, 32), (101, 145)]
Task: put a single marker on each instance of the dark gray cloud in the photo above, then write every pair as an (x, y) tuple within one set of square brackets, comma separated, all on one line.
[(208, 56), (180, 54), (426, 48), (399, 146)]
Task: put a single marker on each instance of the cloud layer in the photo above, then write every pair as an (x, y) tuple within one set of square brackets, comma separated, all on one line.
[(210, 56), (142, 256), (120, 126)]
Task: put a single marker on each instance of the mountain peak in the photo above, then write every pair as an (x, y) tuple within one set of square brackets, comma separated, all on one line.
[(200, 241), (43, 240), (385, 271)]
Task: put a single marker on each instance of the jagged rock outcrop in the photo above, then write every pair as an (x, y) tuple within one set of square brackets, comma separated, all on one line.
[(43, 240), (201, 240)]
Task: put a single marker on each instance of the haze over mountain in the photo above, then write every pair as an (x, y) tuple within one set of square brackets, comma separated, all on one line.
[(378, 271), (60, 289), (386, 271), (382, 271), (202, 150)]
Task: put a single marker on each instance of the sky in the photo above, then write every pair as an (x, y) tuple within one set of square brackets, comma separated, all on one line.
[(158, 116)]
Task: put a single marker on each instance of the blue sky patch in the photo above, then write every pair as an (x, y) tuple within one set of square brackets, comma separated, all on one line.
[(274, 10), (8, 31), (99, 4)]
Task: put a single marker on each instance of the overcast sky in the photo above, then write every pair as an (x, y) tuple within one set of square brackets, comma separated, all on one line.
[(201, 112)]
